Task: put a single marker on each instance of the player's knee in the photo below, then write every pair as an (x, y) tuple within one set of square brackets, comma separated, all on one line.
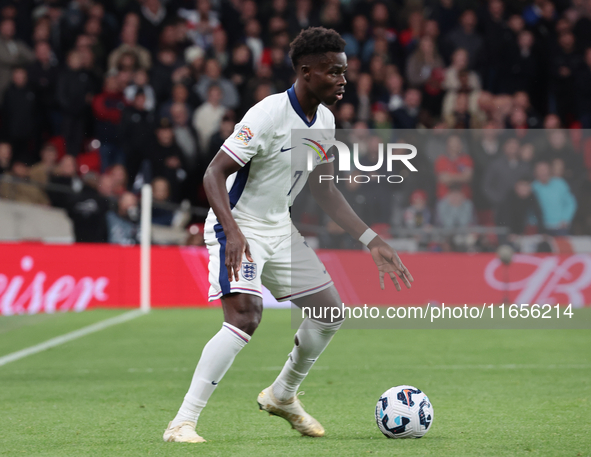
[(249, 322), (245, 313), (317, 327)]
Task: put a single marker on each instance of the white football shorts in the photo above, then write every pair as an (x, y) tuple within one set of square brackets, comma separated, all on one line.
[(285, 265)]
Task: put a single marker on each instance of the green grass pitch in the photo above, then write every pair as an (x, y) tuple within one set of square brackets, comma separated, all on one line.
[(112, 393)]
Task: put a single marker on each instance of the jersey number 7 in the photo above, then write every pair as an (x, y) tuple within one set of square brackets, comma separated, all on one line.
[(297, 175)]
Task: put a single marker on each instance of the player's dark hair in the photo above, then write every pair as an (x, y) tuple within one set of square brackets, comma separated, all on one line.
[(315, 41)]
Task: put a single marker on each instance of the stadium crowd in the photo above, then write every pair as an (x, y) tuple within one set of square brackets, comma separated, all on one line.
[(100, 97)]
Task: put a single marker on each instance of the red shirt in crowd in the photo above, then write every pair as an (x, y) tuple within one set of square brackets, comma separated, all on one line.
[(444, 164)]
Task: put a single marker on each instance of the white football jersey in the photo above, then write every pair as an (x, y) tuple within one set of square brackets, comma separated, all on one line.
[(274, 168)]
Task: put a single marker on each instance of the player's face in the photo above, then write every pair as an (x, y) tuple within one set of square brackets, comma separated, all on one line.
[(327, 77)]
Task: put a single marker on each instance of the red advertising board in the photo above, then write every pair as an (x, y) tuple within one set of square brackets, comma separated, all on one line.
[(48, 278)]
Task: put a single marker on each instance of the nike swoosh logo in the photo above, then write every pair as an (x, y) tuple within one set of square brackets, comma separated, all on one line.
[(285, 150), (214, 383)]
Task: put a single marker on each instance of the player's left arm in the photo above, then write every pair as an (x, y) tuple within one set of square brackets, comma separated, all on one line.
[(331, 200)]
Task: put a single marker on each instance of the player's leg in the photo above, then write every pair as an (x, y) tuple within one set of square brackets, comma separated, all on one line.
[(242, 314), (295, 273), (310, 341)]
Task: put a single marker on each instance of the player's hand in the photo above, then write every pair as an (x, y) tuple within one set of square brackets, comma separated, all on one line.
[(236, 246), (388, 262)]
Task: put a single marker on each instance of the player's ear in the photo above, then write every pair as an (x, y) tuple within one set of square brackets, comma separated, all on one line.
[(305, 70)]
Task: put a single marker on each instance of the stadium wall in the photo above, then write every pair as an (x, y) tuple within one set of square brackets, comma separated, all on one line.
[(38, 277)]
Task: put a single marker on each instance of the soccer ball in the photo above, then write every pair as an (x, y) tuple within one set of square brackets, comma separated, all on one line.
[(404, 412)]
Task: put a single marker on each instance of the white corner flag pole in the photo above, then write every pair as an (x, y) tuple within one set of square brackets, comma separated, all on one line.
[(145, 246)]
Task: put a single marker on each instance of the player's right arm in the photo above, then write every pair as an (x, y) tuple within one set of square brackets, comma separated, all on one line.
[(214, 183)]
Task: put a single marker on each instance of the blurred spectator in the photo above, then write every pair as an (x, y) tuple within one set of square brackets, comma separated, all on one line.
[(433, 93), (557, 168), (564, 62), (119, 179), (395, 97), (240, 68), (446, 13), (219, 49), (166, 159), (213, 75), (417, 215), (130, 49), (123, 224), (527, 155), (520, 65), (135, 132), (363, 93), (74, 94), (41, 171), (180, 94), (161, 194), (20, 117), (485, 150), (195, 60), (521, 100), (43, 75), (200, 23), (455, 210), (407, 116), (556, 200), (422, 62), (63, 180), (161, 73), (359, 42), (381, 121), (90, 67), (207, 118), (466, 37), (5, 157), (88, 209), (15, 185), (106, 187), (459, 117), (453, 167), (459, 67), (521, 210), (107, 108), (496, 34), (345, 116), (216, 142), (152, 16), (141, 82), (409, 38), (502, 175), (184, 135), (472, 103), (482, 109), (282, 70), (583, 90), (252, 33), (13, 52), (558, 146)]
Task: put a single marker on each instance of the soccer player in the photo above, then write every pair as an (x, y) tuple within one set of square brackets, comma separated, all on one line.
[(250, 185)]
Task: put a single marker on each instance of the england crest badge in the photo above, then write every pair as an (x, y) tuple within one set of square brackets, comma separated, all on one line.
[(249, 270)]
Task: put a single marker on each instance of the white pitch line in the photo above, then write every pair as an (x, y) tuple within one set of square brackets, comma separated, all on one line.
[(70, 336)]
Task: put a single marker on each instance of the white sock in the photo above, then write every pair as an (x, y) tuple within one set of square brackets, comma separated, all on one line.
[(311, 339), (216, 358)]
